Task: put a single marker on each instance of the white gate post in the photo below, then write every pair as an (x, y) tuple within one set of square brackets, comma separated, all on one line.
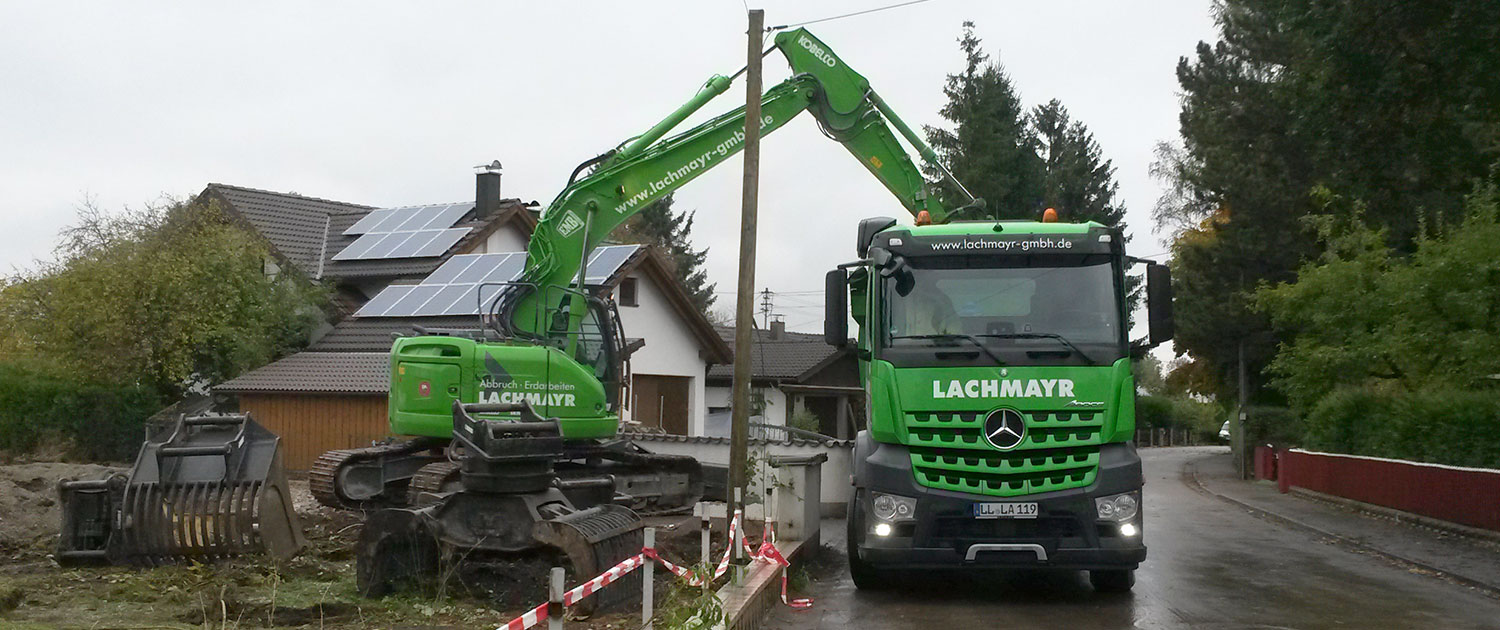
[(648, 581), (555, 600)]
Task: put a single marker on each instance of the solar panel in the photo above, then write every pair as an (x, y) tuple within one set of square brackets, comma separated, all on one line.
[(369, 221), (455, 287), (407, 232), (605, 261), (395, 219), (384, 300)]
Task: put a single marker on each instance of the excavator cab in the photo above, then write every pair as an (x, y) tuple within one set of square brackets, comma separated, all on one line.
[(601, 344)]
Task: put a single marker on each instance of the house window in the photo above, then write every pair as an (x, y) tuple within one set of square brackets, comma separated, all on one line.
[(628, 293)]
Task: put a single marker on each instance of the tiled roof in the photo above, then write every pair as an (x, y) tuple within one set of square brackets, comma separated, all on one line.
[(308, 232), (294, 224), (374, 334), (787, 357), (318, 372)]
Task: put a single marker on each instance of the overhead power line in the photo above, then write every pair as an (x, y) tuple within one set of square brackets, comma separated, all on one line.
[(847, 15)]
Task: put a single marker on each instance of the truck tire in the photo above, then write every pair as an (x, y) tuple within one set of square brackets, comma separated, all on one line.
[(866, 577), (1112, 580)]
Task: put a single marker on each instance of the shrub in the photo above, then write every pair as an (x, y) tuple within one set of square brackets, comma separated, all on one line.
[(1153, 411), (806, 420), (1178, 412), (1272, 425), (1438, 425), (41, 404)]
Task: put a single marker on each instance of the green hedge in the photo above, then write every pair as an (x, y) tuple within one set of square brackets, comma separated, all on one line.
[(1272, 425), (1175, 412), (1443, 426), (42, 406)]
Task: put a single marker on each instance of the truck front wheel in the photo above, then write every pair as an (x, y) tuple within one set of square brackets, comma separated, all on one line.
[(1112, 580), (866, 577)]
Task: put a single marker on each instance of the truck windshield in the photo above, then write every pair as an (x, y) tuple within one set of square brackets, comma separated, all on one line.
[(1019, 310)]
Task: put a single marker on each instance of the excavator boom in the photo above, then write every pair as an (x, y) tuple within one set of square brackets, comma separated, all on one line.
[(648, 167)]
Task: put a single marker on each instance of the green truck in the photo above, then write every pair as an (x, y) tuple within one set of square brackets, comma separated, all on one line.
[(1000, 405)]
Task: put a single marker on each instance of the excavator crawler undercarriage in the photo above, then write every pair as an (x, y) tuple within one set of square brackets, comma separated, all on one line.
[(508, 504)]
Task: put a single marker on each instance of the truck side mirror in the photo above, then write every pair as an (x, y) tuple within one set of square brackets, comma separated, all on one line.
[(1159, 302), (836, 308)]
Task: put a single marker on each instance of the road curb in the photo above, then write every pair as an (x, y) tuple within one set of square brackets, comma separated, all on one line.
[(1190, 476), (746, 605)]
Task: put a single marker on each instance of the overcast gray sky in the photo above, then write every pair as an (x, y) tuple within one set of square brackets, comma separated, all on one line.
[(391, 103)]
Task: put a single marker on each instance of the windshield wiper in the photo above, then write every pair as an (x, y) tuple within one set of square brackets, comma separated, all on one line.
[(970, 338), (1060, 338)]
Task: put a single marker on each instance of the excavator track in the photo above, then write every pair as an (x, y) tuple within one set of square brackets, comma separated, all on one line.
[(431, 479), (323, 476), (641, 478)]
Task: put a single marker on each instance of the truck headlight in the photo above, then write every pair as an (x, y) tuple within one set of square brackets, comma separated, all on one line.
[(893, 508), (1118, 507)]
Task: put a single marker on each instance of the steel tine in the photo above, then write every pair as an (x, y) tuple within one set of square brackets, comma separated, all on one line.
[(172, 514), (230, 526), (210, 507), (220, 535), (149, 524), (201, 515), (125, 529), (252, 513), (188, 510), (182, 518), (236, 518), (154, 525)]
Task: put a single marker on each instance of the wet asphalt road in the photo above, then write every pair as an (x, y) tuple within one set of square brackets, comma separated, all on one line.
[(1210, 565)]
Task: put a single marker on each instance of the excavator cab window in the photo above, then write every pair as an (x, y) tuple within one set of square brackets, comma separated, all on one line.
[(599, 346)]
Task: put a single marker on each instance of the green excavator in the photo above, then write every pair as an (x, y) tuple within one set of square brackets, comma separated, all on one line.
[(513, 445)]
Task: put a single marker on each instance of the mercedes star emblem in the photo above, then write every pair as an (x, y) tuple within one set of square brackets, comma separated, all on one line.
[(1004, 429)]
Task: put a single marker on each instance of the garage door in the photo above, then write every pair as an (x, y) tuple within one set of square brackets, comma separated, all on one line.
[(661, 401)]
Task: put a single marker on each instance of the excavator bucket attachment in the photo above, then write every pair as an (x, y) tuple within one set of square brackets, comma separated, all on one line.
[(210, 487), (594, 540)]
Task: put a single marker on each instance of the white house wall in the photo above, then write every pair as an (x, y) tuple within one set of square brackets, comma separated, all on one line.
[(835, 472), (509, 238), (721, 396), (670, 350)]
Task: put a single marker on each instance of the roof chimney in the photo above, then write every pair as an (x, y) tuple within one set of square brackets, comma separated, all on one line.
[(486, 190), (778, 327)]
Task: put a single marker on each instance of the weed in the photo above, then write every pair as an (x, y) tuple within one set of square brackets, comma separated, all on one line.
[(688, 607)]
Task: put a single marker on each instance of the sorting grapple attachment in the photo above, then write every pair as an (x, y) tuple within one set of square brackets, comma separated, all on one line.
[(595, 540), (206, 488), (508, 507)]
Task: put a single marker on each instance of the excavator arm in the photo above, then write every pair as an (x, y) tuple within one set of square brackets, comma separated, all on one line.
[(547, 304)]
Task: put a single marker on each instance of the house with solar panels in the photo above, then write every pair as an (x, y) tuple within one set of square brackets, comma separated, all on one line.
[(395, 271)]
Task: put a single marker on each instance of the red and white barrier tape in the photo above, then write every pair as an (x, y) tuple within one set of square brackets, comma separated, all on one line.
[(536, 615), (766, 553), (527, 619), (769, 553)]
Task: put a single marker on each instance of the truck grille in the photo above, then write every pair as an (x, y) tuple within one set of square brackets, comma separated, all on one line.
[(1061, 451)]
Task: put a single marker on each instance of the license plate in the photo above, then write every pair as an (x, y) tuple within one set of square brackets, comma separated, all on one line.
[(1005, 510)]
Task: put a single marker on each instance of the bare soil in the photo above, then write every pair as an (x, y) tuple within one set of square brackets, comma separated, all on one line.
[(316, 589), (29, 513)]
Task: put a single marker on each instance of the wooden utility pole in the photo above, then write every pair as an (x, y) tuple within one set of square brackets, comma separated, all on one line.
[(744, 318)]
